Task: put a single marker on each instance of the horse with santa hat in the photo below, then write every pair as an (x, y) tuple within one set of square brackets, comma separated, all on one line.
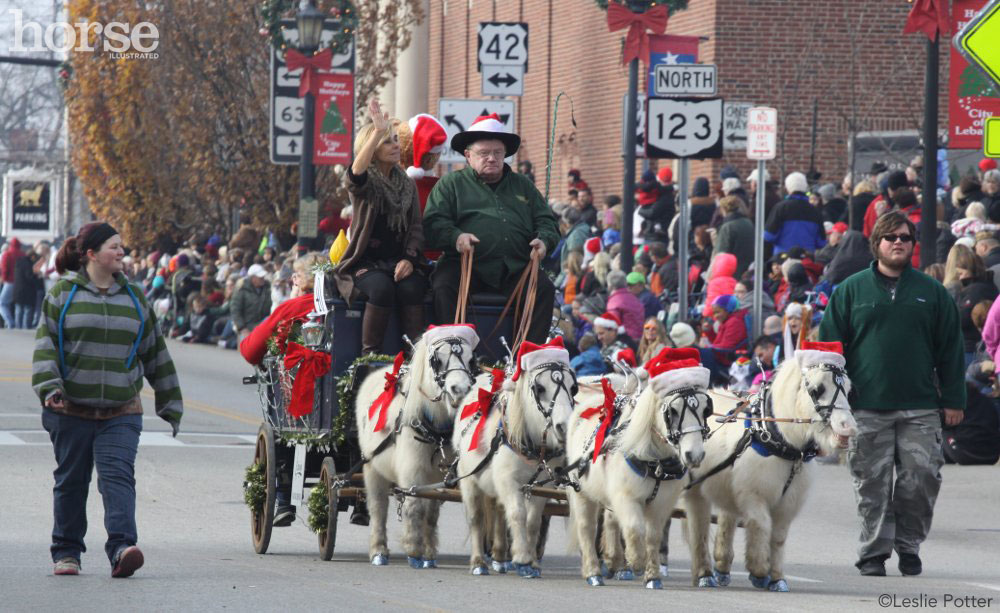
[(511, 432), (629, 455)]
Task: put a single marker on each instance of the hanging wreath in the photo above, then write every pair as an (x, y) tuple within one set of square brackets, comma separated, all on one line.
[(65, 74), (254, 487), (345, 395), (318, 504), (273, 11), (640, 6)]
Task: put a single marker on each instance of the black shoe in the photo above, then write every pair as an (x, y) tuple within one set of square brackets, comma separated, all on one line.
[(284, 516), (909, 564), (872, 567), (359, 516)]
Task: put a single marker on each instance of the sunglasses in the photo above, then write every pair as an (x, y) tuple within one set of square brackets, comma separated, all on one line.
[(892, 238)]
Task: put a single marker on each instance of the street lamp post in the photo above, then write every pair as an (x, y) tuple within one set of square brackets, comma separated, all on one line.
[(309, 21)]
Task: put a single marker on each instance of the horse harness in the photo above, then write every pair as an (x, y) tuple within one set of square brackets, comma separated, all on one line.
[(761, 432)]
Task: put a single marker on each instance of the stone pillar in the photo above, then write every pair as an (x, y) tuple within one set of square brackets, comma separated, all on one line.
[(387, 93), (413, 71)]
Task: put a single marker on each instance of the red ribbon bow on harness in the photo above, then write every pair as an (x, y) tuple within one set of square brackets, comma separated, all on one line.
[(381, 404), (483, 406), (321, 61), (607, 412), (312, 364), (637, 41)]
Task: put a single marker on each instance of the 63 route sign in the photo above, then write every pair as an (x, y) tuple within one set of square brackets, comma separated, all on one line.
[(678, 128)]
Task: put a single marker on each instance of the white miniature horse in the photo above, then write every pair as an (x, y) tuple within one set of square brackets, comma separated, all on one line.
[(637, 473), (759, 471), (400, 442), (522, 436)]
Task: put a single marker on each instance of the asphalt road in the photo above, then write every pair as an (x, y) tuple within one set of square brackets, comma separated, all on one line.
[(194, 530)]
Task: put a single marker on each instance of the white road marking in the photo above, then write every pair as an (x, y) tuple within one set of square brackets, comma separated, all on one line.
[(39, 415), (6, 438), (146, 439), (988, 586)]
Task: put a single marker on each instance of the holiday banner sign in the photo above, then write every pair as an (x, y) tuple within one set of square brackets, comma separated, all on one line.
[(972, 95), (334, 134)]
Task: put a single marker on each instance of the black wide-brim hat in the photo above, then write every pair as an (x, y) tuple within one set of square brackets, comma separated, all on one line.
[(486, 127)]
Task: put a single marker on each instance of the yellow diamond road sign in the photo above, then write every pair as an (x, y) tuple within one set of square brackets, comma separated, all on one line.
[(991, 137), (979, 40)]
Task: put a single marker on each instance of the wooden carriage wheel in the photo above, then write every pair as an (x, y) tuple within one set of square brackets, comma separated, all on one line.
[(261, 521), (328, 537)]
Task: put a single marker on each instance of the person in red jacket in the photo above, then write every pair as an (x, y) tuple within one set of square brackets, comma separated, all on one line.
[(730, 336), (422, 140)]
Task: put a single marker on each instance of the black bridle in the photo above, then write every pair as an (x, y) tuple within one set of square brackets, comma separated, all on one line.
[(441, 371), (688, 400), (825, 410)]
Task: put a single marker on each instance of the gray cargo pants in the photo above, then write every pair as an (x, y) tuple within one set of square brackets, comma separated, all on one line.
[(895, 515)]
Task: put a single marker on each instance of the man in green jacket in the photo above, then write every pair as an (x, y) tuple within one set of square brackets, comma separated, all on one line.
[(903, 345), (500, 215)]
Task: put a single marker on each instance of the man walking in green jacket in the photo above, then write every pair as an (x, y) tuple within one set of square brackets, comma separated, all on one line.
[(488, 208), (903, 344)]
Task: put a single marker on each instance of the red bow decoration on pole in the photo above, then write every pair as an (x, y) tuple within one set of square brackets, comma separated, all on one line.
[(321, 61), (381, 404), (311, 364), (607, 411), (927, 16), (483, 406), (637, 41)]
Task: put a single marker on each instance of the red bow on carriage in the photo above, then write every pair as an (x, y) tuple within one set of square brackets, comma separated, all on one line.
[(482, 406), (312, 364), (606, 411), (381, 404)]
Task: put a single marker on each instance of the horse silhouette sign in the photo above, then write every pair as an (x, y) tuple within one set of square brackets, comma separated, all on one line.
[(30, 206)]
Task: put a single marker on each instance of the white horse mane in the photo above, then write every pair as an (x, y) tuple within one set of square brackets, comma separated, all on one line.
[(787, 393), (417, 376), (638, 437), (514, 412)]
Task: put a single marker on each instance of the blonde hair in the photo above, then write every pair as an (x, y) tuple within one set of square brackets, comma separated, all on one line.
[(962, 257), (305, 264), (976, 210), (864, 187), (647, 349), (368, 131), (574, 263)]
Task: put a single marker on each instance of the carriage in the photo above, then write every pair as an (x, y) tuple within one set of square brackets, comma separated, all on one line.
[(315, 459)]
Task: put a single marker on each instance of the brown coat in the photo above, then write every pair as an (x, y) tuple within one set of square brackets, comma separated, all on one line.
[(366, 199)]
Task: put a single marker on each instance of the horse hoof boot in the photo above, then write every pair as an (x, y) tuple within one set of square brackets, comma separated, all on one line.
[(595, 581), (498, 566), (508, 565), (415, 562), (722, 578), (604, 571), (625, 575), (480, 571), (760, 582), (527, 571), (380, 559), (654, 584), (664, 571), (430, 563), (707, 582), (778, 586)]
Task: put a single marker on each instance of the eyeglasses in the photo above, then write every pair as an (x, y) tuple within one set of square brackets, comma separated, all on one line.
[(496, 153), (649, 327), (892, 238)]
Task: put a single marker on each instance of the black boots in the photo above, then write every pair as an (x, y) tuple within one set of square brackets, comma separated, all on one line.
[(373, 325)]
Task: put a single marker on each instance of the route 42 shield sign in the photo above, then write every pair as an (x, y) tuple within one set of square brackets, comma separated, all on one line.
[(684, 128)]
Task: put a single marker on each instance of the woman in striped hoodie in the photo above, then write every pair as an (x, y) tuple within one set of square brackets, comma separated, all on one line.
[(96, 340)]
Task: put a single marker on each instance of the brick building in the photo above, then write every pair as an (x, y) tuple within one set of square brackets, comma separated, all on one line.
[(849, 58)]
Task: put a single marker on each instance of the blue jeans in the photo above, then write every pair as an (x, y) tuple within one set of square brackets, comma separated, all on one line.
[(24, 314), (79, 445), (7, 304)]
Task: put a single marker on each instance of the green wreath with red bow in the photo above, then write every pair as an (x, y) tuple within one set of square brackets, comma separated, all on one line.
[(273, 11), (638, 6)]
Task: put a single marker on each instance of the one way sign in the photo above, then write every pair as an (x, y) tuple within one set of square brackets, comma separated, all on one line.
[(503, 80), (457, 114)]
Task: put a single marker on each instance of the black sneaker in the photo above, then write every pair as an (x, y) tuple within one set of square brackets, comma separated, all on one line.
[(872, 567), (284, 516), (909, 564)]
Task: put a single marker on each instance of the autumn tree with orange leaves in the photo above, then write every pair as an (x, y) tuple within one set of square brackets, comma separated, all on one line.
[(170, 147)]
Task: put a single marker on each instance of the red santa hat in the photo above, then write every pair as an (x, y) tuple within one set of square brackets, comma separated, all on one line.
[(531, 356), (674, 369), (591, 247), (465, 332), (486, 127), (609, 320), (627, 356), (818, 353), (429, 136), (987, 164)]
